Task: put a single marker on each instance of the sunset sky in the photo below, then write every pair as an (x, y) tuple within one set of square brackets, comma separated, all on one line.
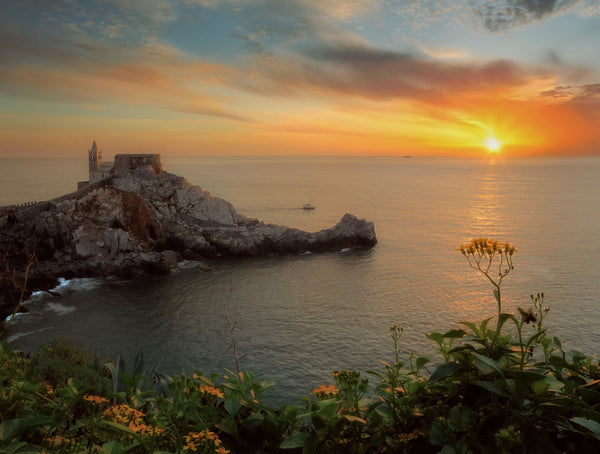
[(293, 77)]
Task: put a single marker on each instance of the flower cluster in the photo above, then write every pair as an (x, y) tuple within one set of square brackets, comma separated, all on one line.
[(95, 399), (326, 392), (488, 248), (210, 391), (204, 442), (59, 441), (484, 253), (145, 430), (123, 414), (48, 390)]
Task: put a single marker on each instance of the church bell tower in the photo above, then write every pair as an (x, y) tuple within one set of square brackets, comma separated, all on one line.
[(95, 157)]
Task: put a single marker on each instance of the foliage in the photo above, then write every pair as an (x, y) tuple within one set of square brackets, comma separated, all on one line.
[(503, 387)]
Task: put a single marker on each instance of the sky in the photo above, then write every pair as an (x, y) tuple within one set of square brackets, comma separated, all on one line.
[(300, 77)]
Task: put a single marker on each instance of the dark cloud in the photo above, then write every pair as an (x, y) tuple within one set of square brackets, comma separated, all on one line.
[(558, 92), (591, 90), (576, 93), (367, 72), (355, 54), (584, 99), (501, 15)]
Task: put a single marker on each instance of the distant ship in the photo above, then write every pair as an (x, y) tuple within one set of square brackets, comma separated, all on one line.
[(407, 156), (308, 206)]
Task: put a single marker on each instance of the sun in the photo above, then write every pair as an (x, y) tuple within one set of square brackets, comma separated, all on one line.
[(493, 145)]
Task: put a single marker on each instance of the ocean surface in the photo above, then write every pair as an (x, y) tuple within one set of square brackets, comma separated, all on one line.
[(298, 318)]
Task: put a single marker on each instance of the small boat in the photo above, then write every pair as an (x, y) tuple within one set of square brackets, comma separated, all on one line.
[(308, 206)]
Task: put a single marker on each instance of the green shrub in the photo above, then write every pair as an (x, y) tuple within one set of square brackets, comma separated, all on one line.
[(503, 387)]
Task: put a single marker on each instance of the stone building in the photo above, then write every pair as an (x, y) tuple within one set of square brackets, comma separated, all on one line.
[(98, 170), (126, 162), (123, 163)]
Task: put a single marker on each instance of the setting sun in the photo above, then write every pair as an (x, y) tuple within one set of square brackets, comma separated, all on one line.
[(493, 145)]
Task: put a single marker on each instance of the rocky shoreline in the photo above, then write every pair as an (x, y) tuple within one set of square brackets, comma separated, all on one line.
[(144, 221)]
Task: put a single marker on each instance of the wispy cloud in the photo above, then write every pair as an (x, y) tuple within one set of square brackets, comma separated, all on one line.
[(367, 72)]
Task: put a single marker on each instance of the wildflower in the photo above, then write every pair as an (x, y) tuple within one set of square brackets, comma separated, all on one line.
[(205, 441), (123, 414), (527, 315), (326, 392), (48, 391), (492, 259), (58, 441), (406, 438), (95, 399), (211, 391), (146, 430)]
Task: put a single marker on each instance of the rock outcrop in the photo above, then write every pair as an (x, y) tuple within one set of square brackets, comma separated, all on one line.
[(146, 221)]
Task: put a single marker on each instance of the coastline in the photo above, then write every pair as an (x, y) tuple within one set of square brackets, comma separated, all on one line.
[(143, 221)]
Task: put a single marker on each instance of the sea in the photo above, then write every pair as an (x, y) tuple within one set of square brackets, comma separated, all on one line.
[(296, 319)]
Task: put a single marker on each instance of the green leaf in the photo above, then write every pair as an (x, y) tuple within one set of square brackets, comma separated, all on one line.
[(114, 447), (120, 427), (472, 327), (503, 319), (311, 443), (539, 387), (557, 342), (455, 334), (228, 426), (421, 361), (254, 420), (16, 446), (483, 325), (448, 449), (492, 388), (436, 337), (436, 434), (327, 408), (486, 365), (377, 374), (554, 384), (232, 406), (444, 371), (459, 418), (355, 419), (592, 426), (297, 440), (13, 428)]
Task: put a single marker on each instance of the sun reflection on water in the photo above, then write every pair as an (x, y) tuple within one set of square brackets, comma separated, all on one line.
[(486, 207)]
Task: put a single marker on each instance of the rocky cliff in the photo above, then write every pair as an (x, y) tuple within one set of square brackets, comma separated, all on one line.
[(146, 221)]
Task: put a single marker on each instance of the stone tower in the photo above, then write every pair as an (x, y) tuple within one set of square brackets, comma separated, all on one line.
[(95, 158)]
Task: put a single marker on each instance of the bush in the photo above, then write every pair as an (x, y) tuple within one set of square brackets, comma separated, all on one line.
[(503, 387)]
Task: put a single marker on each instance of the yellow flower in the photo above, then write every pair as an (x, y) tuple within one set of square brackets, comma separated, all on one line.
[(59, 440), (48, 390), (211, 390), (326, 391), (202, 440), (95, 399), (124, 414), (145, 430)]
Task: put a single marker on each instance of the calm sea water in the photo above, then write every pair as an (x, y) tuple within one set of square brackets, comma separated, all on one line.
[(302, 317)]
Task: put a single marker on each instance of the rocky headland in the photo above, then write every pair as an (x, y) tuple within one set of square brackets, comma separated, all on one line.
[(143, 221)]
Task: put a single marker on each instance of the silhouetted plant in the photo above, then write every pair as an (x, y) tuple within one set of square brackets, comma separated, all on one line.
[(13, 286), (492, 259)]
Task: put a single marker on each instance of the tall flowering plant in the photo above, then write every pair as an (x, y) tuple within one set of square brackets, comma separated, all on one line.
[(492, 259)]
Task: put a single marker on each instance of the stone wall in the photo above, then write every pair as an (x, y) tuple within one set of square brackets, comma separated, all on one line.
[(127, 162)]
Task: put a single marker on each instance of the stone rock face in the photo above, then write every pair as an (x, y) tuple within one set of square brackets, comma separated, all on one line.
[(145, 221)]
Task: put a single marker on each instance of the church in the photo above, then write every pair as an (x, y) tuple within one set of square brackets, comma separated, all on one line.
[(123, 163)]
